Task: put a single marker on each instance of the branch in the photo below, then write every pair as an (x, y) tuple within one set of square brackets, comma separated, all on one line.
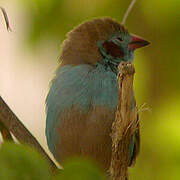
[(9, 123), (6, 135), (125, 124), (6, 19), (14, 125)]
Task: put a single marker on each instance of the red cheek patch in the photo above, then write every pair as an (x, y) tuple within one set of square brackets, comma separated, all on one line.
[(113, 49)]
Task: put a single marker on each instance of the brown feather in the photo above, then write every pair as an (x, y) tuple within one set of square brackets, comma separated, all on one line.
[(81, 43), (86, 134)]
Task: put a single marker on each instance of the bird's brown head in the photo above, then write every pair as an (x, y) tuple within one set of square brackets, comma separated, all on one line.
[(99, 38)]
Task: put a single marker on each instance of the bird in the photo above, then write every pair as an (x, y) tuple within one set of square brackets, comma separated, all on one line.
[(83, 97)]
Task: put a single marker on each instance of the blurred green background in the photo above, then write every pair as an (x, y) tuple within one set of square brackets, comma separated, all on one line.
[(29, 56)]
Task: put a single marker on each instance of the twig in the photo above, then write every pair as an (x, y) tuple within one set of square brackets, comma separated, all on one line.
[(6, 18), (6, 135), (128, 11), (14, 125), (125, 124)]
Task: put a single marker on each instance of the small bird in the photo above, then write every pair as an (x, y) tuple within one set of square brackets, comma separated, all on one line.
[(83, 97)]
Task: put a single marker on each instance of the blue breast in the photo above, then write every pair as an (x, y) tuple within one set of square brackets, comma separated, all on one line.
[(82, 86)]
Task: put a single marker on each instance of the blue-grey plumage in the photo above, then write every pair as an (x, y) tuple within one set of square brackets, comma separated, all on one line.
[(83, 97)]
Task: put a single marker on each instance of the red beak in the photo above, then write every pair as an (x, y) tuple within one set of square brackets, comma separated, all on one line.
[(137, 42)]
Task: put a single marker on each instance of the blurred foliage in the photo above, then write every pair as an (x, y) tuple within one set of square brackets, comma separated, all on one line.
[(55, 18), (80, 169), (157, 68), (22, 162)]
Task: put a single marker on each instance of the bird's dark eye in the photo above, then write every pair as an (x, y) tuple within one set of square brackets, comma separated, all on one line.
[(120, 39)]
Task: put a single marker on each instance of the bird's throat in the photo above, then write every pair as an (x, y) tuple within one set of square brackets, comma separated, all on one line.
[(110, 63)]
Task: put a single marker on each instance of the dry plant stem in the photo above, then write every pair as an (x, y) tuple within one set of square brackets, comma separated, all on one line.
[(14, 125), (125, 124)]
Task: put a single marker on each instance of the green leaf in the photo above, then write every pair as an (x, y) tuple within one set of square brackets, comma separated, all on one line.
[(19, 162), (80, 169)]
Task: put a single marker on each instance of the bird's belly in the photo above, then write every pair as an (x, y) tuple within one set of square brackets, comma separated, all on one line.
[(86, 134)]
